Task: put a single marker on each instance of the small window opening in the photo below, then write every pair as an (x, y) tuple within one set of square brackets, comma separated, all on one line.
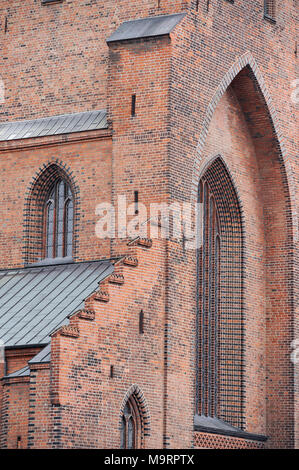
[(136, 200), (133, 108), (141, 322)]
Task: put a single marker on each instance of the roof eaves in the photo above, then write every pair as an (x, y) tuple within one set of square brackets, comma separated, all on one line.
[(24, 372), (143, 28), (54, 125)]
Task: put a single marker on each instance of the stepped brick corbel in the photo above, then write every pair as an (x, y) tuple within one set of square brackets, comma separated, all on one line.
[(116, 279), (146, 242), (87, 314), (102, 296), (90, 328), (130, 261), (69, 330)]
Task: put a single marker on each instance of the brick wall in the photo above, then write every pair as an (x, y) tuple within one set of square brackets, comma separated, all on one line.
[(220, 85), (77, 403), (15, 405), (66, 44), (263, 180), (41, 412), (18, 358), (87, 164)]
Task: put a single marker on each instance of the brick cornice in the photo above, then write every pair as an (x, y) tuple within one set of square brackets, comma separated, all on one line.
[(40, 366)]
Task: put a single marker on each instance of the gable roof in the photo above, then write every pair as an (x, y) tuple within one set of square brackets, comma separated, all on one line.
[(55, 125), (146, 27), (36, 300)]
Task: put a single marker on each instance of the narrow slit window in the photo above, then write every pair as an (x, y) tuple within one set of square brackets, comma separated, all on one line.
[(133, 106), (141, 322), (136, 201)]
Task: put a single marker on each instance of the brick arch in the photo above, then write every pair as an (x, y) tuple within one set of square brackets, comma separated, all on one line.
[(209, 160), (248, 61), (135, 391), (36, 194)]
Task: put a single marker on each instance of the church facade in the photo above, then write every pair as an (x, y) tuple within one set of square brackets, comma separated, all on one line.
[(118, 338)]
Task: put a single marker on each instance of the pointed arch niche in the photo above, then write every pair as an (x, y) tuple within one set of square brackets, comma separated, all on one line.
[(51, 214), (241, 127)]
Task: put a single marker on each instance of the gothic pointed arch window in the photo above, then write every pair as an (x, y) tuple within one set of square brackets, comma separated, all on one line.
[(131, 425), (58, 221), (219, 287), (51, 215)]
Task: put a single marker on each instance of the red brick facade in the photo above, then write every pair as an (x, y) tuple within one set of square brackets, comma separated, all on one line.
[(213, 97)]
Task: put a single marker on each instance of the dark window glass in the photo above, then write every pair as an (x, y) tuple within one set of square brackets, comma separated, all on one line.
[(209, 267), (50, 228), (59, 216), (131, 433), (123, 433), (68, 223), (130, 425)]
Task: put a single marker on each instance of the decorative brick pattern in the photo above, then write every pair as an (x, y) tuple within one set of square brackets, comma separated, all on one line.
[(215, 441), (116, 279), (102, 296), (69, 331), (87, 315)]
